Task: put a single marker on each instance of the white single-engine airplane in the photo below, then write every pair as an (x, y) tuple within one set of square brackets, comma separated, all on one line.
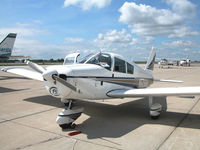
[(100, 76)]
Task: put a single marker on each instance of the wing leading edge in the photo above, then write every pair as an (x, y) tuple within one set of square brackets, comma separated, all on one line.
[(24, 72), (172, 91)]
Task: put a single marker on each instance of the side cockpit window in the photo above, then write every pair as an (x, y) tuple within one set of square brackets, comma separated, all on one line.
[(120, 65), (130, 68), (105, 61)]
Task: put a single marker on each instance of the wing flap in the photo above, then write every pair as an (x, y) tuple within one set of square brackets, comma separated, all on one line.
[(173, 91), (24, 72)]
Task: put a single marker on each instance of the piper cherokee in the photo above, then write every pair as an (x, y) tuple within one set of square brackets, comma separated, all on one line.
[(99, 76)]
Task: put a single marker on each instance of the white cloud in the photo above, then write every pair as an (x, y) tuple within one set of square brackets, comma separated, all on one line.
[(87, 4), (28, 44), (73, 40), (114, 37), (38, 49), (181, 44), (22, 30), (182, 7), (120, 39), (183, 32), (146, 40), (147, 15), (146, 20)]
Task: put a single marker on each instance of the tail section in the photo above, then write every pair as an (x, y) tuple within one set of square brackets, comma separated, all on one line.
[(150, 62), (7, 44)]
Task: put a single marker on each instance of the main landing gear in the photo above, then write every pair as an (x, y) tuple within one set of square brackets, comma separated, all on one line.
[(68, 115), (154, 109)]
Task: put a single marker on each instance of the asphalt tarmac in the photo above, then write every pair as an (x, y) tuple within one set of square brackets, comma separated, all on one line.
[(28, 118)]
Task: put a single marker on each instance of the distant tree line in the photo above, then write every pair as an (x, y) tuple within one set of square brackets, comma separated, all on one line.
[(33, 60)]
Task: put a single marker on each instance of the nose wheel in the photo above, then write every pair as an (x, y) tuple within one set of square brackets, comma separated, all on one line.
[(65, 126), (68, 115)]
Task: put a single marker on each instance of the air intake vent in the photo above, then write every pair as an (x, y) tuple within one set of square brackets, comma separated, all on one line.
[(63, 76)]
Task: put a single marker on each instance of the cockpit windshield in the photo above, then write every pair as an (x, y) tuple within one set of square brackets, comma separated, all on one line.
[(84, 59), (101, 59)]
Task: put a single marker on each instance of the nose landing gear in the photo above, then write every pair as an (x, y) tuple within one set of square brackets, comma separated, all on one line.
[(68, 115)]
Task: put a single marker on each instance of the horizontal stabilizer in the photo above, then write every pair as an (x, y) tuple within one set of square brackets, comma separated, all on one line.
[(24, 72), (172, 91)]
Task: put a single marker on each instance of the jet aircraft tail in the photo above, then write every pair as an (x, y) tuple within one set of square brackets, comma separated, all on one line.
[(150, 62), (7, 44)]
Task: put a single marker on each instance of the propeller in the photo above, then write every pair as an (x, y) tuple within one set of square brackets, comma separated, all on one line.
[(35, 66), (63, 82), (50, 76)]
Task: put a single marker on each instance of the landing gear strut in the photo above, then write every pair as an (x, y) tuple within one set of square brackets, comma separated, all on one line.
[(154, 109), (68, 115), (67, 102)]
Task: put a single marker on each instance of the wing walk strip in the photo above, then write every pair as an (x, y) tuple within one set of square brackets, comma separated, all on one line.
[(178, 124)]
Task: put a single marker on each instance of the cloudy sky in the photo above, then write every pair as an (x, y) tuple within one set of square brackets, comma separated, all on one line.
[(53, 28)]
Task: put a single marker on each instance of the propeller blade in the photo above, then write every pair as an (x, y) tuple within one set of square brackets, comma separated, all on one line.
[(35, 66), (62, 81)]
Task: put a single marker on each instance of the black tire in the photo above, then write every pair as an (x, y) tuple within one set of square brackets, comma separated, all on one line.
[(65, 126), (155, 117)]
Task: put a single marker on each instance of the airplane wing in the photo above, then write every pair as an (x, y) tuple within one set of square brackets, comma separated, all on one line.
[(172, 91), (164, 80), (24, 72)]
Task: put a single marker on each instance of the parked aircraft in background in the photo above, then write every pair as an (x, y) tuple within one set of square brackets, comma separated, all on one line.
[(168, 62), (165, 62), (100, 76), (185, 62), (6, 47)]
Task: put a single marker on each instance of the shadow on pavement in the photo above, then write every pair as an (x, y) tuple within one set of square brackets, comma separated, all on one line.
[(115, 121), (6, 90), (14, 77)]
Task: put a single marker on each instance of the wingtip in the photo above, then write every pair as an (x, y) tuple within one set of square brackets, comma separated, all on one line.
[(4, 69)]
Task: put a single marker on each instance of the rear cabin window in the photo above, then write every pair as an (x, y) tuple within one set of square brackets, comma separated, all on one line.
[(130, 68), (120, 65)]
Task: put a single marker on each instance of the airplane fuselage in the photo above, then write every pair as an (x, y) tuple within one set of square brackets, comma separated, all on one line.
[(85, 78)]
